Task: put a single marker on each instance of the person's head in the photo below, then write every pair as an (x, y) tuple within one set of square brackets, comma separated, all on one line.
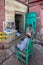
[(29, 35), (30, 26)]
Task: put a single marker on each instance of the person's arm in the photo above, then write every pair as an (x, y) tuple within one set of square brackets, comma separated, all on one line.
[(33, 33), (27, 30)]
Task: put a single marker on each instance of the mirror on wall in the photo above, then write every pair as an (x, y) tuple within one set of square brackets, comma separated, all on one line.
[(8, 25)]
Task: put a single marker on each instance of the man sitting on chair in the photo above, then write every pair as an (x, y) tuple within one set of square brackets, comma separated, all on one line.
[(23, 44), (29, 34)]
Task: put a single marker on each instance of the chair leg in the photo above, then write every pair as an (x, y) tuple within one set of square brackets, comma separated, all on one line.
[(17, 55), (32, 55), (27, 60)]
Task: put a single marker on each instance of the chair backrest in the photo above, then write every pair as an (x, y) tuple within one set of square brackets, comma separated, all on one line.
[(29, 47), (29, 43)]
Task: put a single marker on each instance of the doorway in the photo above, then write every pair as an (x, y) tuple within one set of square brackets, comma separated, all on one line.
[(19, 23)]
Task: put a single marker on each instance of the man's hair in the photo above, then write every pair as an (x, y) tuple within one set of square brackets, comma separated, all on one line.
[(30, 25), (28, 36)]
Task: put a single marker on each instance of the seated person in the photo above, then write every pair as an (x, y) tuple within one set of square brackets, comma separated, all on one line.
[(30, 30), (23, 44)]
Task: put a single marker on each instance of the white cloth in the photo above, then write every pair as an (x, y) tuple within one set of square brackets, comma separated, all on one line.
[(30, 31), (23, 44)]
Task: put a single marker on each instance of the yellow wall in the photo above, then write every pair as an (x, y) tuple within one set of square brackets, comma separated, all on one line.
[(11, 6)]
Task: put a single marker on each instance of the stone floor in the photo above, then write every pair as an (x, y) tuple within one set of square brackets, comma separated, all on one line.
[(13, 61), (5, 53)]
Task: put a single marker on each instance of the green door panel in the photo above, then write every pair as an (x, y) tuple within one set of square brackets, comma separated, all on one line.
[(31, 19), (30, 14)]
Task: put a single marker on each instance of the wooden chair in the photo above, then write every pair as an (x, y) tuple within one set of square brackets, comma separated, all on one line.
[(25, 53)]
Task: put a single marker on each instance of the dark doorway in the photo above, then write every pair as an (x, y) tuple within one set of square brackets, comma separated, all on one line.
[(18, 22)]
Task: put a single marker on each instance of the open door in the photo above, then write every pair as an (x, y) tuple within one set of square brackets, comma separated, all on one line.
[(31, 19)]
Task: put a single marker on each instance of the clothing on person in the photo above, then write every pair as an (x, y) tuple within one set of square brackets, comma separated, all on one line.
[(23, 44), (30, 31), (29, 34)]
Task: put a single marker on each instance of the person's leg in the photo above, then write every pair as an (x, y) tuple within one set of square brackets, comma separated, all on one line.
[(16, 49)]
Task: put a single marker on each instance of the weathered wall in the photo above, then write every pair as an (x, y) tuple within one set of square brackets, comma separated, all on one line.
[(33, 0), (41, 13), (24, 1), (2, 14), (11, 7), (37, 9)]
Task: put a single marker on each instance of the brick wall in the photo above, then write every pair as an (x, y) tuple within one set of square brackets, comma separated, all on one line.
[(24, 1), (32, 0), (36, 9), (2, 14)]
